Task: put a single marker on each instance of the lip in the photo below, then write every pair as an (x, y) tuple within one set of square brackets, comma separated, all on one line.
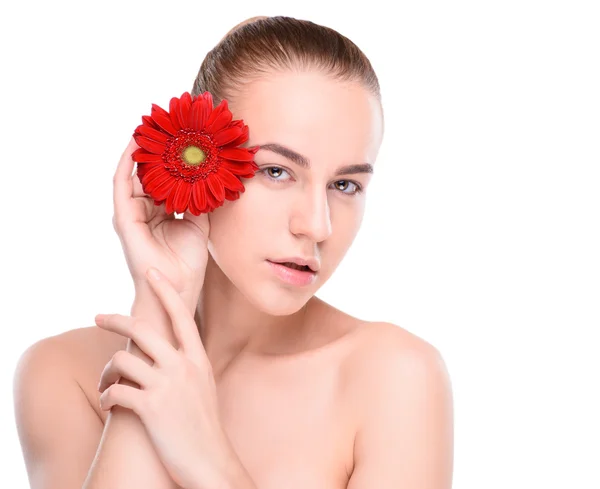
[(299, 278), (312, 263)]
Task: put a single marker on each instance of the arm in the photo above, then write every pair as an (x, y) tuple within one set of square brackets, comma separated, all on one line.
[(406, 435), (126, 457)]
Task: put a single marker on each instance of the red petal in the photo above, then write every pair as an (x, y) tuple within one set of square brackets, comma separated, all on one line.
[(162, 118), (238, 168), (236, 154), (192, 206), (174, 113), (243, 137), (227, 135), (231, 195), (162, 190), (155, 177), (144, 168), (185, 104), (170, 202), (212, 203), (201, 109), (181, 196), (220, 118), (148, 121), (216, 112), (230, 180), (216, 186), (153, 134), (149, 145), (199, 195), (142, 156)]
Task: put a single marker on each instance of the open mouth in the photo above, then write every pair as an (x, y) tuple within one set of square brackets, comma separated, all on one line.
[(303, 268), (292, 273)]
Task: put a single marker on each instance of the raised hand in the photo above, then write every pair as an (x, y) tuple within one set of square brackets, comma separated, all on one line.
[(152, 238)]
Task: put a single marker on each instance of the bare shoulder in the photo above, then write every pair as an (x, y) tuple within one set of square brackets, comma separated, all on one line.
[(387, 356), (383, 342), (76, 355), (74, 349), (58, 426), (401, 391)]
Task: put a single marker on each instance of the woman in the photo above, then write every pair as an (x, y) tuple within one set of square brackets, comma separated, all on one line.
[(299, 394)]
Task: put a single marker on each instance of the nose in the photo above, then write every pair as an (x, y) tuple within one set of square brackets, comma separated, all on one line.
[(311, 218)]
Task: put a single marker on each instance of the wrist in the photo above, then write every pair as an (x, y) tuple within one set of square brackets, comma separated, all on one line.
[(147, 307), (190, 296)]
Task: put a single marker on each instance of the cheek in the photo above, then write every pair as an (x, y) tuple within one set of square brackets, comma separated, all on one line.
[(241, 229), (346, 222)]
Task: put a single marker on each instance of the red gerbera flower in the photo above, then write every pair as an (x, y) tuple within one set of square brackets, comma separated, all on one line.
[(189, 157)]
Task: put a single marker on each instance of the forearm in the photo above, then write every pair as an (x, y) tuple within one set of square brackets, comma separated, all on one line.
[(125, 457), (236, 478)]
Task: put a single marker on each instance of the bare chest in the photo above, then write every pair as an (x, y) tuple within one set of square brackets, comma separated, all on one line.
[(289, 422)]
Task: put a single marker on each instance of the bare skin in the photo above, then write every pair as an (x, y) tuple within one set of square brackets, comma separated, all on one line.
[(287, 415), (308, 395)]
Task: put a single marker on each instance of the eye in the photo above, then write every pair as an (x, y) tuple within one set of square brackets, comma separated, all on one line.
[(346, 184), (277, 173), (356, 186)]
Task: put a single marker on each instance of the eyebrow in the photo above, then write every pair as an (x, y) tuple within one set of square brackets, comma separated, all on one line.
[(304, 162)]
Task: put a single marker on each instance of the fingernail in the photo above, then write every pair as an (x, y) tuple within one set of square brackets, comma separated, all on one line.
[(99, 318)]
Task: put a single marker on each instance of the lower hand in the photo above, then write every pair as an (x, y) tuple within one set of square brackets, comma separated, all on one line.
[(176, 401)]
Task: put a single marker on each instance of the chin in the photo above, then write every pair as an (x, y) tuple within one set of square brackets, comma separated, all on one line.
[(276, 300)]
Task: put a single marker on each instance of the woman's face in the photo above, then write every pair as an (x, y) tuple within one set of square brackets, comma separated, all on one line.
[(289, 209)]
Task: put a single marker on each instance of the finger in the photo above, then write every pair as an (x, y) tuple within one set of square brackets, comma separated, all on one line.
[(126, 364), (122, 395), (149, 340), (184, 326), (123, 181)]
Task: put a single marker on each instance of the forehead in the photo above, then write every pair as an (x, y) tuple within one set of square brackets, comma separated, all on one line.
[(313, 114)]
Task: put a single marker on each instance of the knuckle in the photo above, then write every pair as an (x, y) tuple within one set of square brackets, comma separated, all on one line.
[(120, 358), (107, 395)]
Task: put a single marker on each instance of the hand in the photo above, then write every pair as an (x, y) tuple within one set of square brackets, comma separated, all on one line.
[(176, 401), (151, 237)]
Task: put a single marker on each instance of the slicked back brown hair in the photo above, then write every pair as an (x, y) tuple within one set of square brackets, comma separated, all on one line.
[(260, 45)]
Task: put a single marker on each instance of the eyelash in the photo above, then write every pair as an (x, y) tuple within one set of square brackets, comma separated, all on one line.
[(358, 190)]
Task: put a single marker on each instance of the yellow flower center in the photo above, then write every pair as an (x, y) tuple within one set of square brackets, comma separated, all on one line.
[(193, 155)]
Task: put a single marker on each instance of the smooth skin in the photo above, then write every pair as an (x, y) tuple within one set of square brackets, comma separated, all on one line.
[(308, 396)]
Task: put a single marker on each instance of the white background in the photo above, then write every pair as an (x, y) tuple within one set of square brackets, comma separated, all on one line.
[(482, 232)]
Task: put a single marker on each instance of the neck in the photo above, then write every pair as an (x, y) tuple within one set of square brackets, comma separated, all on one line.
[(230, 325)]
